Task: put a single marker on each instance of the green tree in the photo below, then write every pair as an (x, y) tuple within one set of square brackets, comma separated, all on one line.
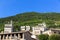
[(43, 37), (54, 37)]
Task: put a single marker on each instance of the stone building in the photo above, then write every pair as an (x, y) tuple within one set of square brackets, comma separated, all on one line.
[(22, 35), (22, 28), (39, 29), (9, 34), (36, 30), (42, 26), (52, 31), (27, 28), (8, 28)]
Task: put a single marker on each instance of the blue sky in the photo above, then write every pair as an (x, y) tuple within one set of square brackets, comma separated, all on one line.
[(13, 7)]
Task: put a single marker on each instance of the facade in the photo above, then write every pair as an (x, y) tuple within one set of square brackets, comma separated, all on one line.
[(36, 30), (12, 36), (8, 28), (52, 31), (49, 32), (42, 24), (39, 29), (42, 27), (22, 28), (27, 28), (22, 35)]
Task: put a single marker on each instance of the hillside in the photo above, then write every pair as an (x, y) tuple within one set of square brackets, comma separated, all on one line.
[(31, 18)]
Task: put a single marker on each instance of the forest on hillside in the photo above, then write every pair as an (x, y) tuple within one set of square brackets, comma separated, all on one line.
[(32, 18)]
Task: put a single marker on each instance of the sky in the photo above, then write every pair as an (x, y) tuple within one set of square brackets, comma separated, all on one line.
[(13, 7)]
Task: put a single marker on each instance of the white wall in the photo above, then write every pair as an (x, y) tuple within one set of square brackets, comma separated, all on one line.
[(7, 30)]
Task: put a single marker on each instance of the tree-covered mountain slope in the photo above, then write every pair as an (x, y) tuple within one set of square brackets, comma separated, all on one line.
[(31, 18)]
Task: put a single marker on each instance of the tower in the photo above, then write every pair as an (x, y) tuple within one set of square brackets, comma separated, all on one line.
[(8, 28)]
